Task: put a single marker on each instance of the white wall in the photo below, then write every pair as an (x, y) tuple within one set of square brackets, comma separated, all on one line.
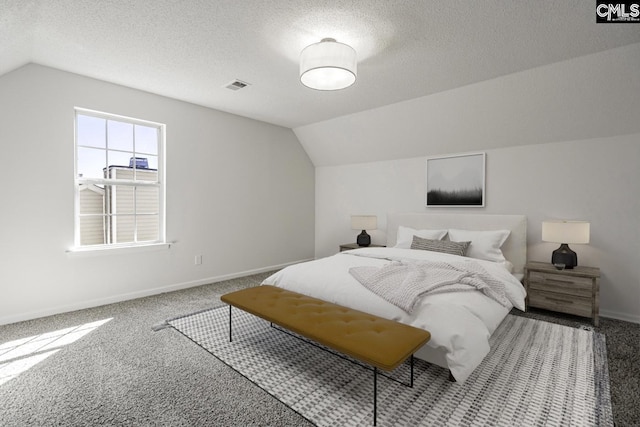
[(562, 141), (594, 180), (239, 192)]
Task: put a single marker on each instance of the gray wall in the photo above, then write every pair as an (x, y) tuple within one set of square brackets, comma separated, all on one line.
[(239, 192)]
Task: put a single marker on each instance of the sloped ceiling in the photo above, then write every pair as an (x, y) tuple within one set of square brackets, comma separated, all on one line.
[(593, 96), (189, 50)]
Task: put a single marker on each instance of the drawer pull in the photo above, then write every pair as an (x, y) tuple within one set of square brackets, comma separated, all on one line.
[(564, 282), (564, 301)]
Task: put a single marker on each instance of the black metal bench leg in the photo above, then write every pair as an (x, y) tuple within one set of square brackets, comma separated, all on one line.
[(411, 371), (230, 323), (375, 395)]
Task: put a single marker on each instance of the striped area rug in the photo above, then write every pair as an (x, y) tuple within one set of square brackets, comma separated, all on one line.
[(537, 374)]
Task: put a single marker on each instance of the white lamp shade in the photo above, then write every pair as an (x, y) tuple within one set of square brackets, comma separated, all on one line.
[(565, 231), (364, 222), (328, 65)]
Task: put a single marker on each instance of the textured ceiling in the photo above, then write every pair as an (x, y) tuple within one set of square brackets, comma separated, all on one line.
[(191, 49)]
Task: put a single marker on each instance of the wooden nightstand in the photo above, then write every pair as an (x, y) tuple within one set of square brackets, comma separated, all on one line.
[(575, 291), (347, 246)]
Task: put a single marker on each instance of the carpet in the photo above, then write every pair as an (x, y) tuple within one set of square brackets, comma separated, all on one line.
[(536, 374)]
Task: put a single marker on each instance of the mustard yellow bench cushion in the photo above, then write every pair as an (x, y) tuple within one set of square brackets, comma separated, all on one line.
[(371, 339)]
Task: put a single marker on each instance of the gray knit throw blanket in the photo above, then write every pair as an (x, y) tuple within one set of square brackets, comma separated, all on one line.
[(403, 283)]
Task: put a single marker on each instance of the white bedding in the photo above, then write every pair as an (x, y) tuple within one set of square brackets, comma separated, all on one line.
[(460, 323)]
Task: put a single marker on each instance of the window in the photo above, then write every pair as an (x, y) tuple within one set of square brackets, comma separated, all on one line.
[(119, 182)]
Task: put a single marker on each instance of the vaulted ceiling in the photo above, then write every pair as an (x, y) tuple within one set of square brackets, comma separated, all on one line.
[(190, 50)]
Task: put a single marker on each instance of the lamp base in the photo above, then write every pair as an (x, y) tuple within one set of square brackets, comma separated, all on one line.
[(363, 239), (564, 255)]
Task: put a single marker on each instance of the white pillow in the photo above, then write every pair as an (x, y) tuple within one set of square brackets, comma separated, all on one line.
[(405, 236), (508, 265), (484, 244)]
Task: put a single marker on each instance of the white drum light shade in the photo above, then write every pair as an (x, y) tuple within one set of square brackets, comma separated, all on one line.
[(328, 65), (364, 222), (565, 232)]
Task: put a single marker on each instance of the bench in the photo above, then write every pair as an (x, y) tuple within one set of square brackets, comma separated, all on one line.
[(377, 342)]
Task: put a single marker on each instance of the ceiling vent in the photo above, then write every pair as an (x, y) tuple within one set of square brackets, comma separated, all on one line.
[(237, 85)]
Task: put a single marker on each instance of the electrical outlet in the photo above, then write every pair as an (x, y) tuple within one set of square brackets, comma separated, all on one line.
[(198, 260)]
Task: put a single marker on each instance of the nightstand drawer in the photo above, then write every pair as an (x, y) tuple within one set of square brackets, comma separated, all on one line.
[(575, 291), (579, 306), (580, 286)]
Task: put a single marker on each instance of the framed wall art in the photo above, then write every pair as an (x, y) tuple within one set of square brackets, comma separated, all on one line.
[(456, 181)]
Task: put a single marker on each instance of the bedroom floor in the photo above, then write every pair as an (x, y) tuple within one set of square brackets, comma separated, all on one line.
[(113, 369)]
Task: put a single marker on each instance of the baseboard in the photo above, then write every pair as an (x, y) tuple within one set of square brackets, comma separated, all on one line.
[(139, 294), (620, 316), (185, 285)]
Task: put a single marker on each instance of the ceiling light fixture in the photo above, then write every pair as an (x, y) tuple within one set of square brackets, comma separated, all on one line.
[(328, 65)]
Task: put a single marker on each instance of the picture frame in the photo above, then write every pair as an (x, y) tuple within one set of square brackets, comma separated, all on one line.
[(456, 181)]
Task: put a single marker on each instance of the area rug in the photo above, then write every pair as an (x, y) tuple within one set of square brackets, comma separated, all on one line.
[(537, 374)]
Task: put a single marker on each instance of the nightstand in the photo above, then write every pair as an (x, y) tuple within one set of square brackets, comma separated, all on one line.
[(347, 246), (575, 291)]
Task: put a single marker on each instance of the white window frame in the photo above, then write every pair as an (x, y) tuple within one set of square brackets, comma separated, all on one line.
[(159, 184)]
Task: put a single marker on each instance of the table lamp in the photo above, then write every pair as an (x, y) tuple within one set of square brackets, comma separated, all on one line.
[(565, 232), (364, 222)]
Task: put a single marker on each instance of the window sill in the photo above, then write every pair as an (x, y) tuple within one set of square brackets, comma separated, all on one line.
[(113, 250)]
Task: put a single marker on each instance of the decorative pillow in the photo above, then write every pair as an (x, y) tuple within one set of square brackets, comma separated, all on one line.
[(484, 244), (405, 236), (444, 246)]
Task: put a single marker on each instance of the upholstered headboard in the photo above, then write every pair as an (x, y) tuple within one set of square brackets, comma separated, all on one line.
[(514, 248)]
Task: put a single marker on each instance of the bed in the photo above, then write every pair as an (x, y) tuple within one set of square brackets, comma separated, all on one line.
[(460, 322)]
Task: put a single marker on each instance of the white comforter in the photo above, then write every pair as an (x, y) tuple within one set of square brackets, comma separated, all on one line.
[(460, 323)]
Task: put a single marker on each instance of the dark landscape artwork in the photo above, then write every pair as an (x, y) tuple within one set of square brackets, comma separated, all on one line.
[(456, 181)]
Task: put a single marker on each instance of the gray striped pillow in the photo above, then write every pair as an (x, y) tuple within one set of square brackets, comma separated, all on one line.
[(445, 246)]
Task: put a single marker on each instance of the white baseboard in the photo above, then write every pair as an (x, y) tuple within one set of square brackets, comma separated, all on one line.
[(5, 320), (620, 316)]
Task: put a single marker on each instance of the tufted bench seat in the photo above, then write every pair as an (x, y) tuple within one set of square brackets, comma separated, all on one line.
[(378, 342)]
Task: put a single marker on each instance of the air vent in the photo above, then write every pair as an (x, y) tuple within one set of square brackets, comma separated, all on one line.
[(237, 85)]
